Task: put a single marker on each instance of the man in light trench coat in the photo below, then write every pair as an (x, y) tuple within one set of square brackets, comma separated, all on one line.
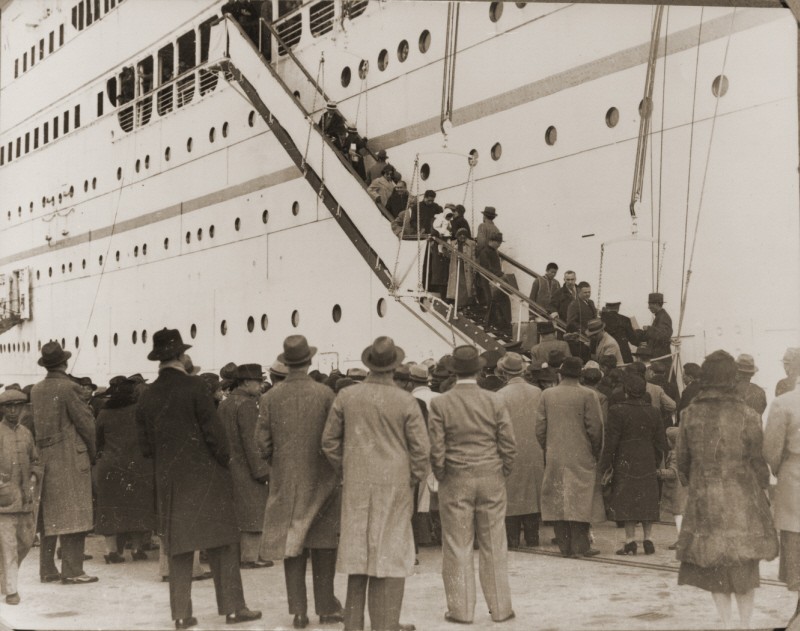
[(302, 513), (382, 453)]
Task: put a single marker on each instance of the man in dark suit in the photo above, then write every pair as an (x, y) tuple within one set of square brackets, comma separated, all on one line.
[(563, 297), (620, 328), (579, 313), (658, 335), (472, 452), (180, 430)]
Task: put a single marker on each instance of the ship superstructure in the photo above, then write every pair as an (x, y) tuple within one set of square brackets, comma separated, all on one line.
[(142, 186)]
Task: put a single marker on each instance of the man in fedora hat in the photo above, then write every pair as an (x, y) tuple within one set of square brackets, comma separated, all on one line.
[(620, 328), (752, 394), (65, 438), (302, 512), (498, 313), (658, 335), (601, 342), (277, 372), (548, 342), (472, 452), (524, 485), (381, 455), (249, 471), (20, 471), (331, 122), (179, 428), (569, 428), (486, 229)]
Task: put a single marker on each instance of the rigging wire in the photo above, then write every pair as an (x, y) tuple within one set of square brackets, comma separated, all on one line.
[(660, 259), (449, 65)]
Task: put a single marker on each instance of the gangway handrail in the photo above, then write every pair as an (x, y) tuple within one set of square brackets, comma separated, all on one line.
[(509, 289), (519, 265)]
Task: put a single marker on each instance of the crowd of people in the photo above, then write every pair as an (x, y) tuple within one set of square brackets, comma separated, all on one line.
[(473, 451)]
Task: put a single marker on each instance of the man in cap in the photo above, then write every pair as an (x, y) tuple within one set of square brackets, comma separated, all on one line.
[(381, 161), (179, 428), (277, 372), (752, 394), (545, 287), (620, 328), (356, 374), (472, 453), (548, 342), (787, 384), (569, 429), (524, 485), (249, 471), (658, 335), (302, 513), (418, 375), (498, 314), (382, 187), (486, 230), (381, 455), (20, 470), (65, 438), (601, 342)]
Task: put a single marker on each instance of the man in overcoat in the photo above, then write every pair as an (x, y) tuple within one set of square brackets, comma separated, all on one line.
[(752, 394), (569, 428), (249, 471), (524, 485), (302, 514), (472, 453), (382, 454), (179, 428), (65, 438), (545, 287), (579, 313), (658, 335), (620, 328)]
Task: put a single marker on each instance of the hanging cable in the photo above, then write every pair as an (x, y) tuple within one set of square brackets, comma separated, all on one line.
[(660, 260), (449, 66), (311, 114)]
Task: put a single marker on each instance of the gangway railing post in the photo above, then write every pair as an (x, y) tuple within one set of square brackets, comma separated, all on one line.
[(458, 282), (519, 322)]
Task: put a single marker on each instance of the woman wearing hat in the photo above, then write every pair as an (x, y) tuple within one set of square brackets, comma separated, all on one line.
[(461, 275), (727, 527)]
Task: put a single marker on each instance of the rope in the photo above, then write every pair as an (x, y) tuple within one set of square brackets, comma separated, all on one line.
[(449, 65), (660, 260), (600, 280), (310, 116)]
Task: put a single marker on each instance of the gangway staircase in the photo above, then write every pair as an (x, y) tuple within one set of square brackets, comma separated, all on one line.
[(345, 196)]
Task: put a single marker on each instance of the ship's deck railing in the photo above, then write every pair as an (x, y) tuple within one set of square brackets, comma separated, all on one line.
[(177, 92), (315, 17)]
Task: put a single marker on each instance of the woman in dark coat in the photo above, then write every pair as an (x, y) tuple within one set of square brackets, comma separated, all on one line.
[(125, 490), (727, 527), (634, 443)]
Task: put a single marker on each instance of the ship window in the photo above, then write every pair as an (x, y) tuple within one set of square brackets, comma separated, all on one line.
[(50, 271), (80, 16), (265, 216), (321, 17), (188, 236), (199, 234), (495, 11), (166, 243), (55, 128), (116, 339), (89, 15), (251, 324), (473, 158), (612, 117), (117, 256), (237, 224), (551, 135), (77, 119), (193, 331), (138, 164), (127, 84), (27, 141), (66, 122), (119, 173), (189, 145), (264, 322), (425, 171), (71, 191), (296, 94), (381, 306), (36, 138), (166, 64), (363, 69), (251, 118), (94, 183), (347, 75), (69, 267), (646, 107), (147, 161), (211, 231), (33, 55), (186, 61), (60, 34), (225, 130), (10, 152), (111, 90), (719, 87), (223, 327), (295, 208), (38, 275), (19, 147), (337, 313), (41, 49), (497, 151), (133, 337), (85, 186), (402, 50), (144, 75), (383, 60), (94, 341), (212, 135), (46, 132), (136, 251), (51, 43), (100, 260), (83, 264), (16, 68), (424, 41), (295, 318), (99, 103), (144, 336), (63, 268), (97, 9), (2, 155), (166, 154)]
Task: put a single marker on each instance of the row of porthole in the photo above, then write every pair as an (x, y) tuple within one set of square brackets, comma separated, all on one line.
[(61, 197), (424, 44), (336, 314)]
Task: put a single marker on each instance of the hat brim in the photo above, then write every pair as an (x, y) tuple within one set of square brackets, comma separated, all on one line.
[(748, 371), (450, 364), (155, 355), (400, 355), (64, 357), (312, 350)]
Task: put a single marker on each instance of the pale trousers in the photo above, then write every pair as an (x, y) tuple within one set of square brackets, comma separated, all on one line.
[(250, 542), (472, 504), (9, 559)]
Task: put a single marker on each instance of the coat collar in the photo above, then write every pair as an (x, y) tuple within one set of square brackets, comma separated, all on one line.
[(241, 392), (514, 380), (712, 393), (297, 376), (57, 374)]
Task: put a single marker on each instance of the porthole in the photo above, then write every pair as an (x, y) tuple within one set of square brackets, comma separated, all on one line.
[(119, 177), (50, 271), (144, 250), (645, 107), (212, 134), (100, 260), (83, 264), (117, 256), (497, 151), (424, 41), (71, 191), (347, 75), (189, 145), (225, 129), (39, 344), (337, 313), (551, 135), (295, 318), (188, 237), (264, 322), (237, 224), (94, 183), (166, 154), (295, 208), (495, 11), (251, 324), (251, 118), (193, 331), (199, 234), (166, 243), (381, 307), (144, 336), (612, 117), (77, 342), (133, 337), (265, 216), (402, 51), (147, 161), (520, 5), (138, 165), (116, 339), (85, 187), (69, 267), (94, 341), (211, 232), (63, 268), (363, 69), (719, 87), (473, 158), (38, 275), (223, 327), (425, 171), (383, 60), (136, 251)]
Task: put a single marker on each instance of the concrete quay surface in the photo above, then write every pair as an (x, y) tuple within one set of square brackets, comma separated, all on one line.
[(548, 592)]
